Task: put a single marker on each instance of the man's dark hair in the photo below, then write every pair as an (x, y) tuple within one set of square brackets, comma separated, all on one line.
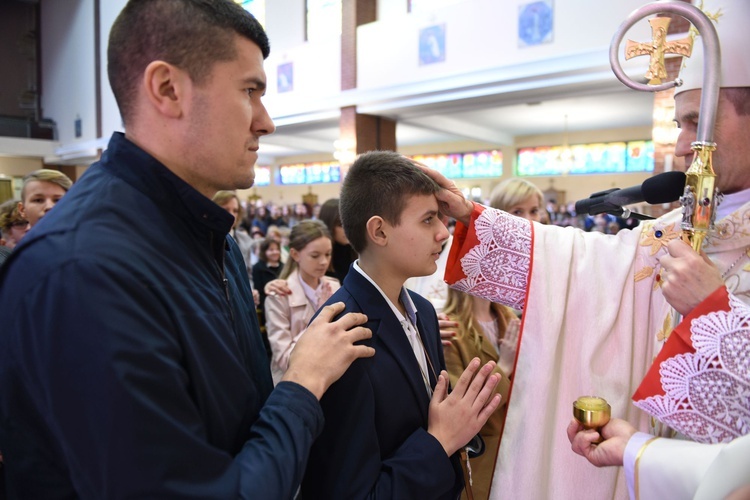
[(379, 183), (190, 34), (740, 99)]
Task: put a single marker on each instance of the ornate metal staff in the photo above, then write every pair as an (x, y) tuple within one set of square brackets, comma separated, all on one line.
[(699, 200)]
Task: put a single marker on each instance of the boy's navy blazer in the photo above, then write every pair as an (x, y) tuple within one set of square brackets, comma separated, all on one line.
[(375, 442)]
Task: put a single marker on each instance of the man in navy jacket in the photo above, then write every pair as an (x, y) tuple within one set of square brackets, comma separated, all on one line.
[(131, 363)]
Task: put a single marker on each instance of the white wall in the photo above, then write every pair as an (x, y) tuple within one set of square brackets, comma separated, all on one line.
[(317, 77), (482, 35), (285, 23), (390, 8), (68, 83), (111, 120)]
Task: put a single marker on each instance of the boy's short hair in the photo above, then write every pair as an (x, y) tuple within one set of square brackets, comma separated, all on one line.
[(190, 34), (46, 175), (379, 183)]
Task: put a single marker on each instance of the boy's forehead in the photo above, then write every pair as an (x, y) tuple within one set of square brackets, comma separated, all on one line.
[(422, 203)]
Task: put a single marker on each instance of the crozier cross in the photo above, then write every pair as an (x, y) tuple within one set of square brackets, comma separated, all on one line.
[(657, 47)]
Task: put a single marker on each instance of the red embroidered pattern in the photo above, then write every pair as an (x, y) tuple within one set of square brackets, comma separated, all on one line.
[(708, 392)]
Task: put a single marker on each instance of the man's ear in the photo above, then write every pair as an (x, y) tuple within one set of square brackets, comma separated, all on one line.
[(376, 230), (166, 88), (21, 210)]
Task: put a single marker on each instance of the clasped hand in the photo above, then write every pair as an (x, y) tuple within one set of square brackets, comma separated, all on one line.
[(455, 418)]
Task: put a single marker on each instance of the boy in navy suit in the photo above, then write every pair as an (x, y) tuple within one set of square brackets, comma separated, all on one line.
[(391, 428)]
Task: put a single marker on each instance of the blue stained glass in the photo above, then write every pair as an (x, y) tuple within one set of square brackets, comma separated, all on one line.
[(596, 158)]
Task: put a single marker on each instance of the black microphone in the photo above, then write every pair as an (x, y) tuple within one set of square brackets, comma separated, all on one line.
[(661, 188)]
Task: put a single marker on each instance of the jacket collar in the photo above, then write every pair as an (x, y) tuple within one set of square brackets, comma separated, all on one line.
[(389, 334), (145, 173)]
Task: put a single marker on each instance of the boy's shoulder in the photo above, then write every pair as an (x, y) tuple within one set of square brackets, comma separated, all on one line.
[(333, 282), (422, 304)]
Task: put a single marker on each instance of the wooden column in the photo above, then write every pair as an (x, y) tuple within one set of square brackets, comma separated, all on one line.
[(362, 132)]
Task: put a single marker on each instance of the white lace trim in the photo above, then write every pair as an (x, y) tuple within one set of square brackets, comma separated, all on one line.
[(708, 392), (497, 269)]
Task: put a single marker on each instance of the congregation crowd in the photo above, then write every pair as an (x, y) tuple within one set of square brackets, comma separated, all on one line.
[(163, 339)]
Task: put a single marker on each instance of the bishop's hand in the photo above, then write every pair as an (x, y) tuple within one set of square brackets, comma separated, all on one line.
[(451, 200), (611, 451)]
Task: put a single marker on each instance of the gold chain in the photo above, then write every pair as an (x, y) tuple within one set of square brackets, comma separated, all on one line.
[(739, 259)]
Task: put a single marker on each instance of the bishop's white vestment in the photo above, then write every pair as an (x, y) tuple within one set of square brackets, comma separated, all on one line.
[(594, 319)]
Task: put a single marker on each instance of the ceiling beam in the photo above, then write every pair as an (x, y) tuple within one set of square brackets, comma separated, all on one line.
[(460, 128), (294, 142)]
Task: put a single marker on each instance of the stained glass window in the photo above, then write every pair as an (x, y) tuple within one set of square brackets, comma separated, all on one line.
[(309, 173), (262, 176), (595, 158), (465, 165)]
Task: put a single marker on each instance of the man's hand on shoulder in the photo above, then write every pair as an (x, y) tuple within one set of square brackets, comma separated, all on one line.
[(277, 287), (326, 349)]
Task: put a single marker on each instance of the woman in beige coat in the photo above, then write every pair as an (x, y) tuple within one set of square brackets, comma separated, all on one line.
[(484, 332), (287, 316)]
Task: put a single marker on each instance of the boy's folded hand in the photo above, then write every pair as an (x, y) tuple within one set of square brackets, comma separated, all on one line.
[(456, 417)]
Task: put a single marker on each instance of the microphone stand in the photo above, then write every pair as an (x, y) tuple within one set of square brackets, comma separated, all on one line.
[(627, 214)]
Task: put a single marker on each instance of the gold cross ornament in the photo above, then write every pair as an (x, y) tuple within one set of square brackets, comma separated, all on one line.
[(657, 47)]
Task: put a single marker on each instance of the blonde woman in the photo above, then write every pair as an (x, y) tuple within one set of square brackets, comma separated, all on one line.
[(287, 316), (481, 333), (518, 197)]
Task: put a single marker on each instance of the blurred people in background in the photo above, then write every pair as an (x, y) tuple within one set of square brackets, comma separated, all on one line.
[(287, 316), (13, 227), (265, 270), (343, 254), (268, 267), (229, 201), (41, 191)]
